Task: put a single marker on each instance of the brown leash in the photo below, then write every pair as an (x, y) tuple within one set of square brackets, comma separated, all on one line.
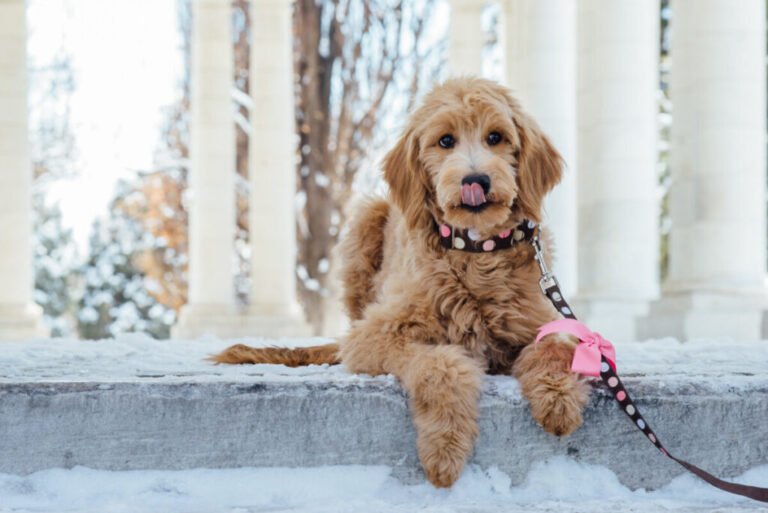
[(551, 289)]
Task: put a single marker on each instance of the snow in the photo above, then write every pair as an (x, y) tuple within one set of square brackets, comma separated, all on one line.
[(725, 365), (137, 357), (560, 484)]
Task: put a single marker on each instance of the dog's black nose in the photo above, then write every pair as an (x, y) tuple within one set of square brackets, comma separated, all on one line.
[(483, 180)]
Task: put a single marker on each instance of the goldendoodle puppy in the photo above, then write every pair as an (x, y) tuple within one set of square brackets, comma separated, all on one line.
[(440, 279)]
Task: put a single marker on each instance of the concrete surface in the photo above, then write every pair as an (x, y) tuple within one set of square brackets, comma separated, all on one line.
[(157, 423)]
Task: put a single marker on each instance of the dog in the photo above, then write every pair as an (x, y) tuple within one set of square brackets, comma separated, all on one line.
[(440, 282)]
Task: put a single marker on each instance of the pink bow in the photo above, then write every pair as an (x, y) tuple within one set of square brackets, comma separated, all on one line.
[(587, 356)]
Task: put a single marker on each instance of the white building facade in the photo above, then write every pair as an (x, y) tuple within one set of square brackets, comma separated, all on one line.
[(587, 70)]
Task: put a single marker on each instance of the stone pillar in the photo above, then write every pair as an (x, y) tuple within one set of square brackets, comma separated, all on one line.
[(273, 309), (541, 70), (212, 174), (617, 157), (19, 316), (717, 243), (466, 38)]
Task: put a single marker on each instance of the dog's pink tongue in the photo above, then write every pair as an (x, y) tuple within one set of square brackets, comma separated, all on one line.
[(472, 194)]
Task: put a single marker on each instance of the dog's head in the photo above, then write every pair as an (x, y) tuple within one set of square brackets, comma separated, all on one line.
[(471, 158)]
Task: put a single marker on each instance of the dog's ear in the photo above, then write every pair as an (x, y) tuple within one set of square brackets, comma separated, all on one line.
[(539, 166), (408, 182)]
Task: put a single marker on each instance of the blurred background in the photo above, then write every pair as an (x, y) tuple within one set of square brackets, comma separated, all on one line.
[(159, 128)]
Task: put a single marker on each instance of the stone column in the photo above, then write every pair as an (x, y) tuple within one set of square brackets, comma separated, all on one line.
[(273, 309), (717, 244), (617, 157), (465, 38), (541, 70), (19, 316), (212, 174)]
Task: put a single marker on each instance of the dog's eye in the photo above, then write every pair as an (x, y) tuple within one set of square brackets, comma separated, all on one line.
[(447, 141), (493, 138)]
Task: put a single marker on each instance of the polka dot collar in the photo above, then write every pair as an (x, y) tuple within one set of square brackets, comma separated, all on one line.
[(469, 240)]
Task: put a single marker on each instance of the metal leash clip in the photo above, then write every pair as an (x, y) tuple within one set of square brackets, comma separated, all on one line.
[(547, 278)]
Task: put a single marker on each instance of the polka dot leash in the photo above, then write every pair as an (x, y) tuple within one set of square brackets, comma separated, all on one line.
[(595, 356)]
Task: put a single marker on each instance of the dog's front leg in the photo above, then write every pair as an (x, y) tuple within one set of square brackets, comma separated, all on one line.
[(557, 395), (442, 381)]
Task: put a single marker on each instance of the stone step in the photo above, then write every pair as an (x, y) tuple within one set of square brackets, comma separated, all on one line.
[(136, 403), (140, 425)]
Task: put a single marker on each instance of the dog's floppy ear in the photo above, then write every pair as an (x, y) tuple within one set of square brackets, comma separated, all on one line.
[(408, 182), (539, 166)]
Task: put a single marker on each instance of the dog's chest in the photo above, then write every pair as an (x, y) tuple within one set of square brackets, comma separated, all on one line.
[(492, 307)]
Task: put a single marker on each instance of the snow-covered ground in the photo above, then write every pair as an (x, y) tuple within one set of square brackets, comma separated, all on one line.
[(560, 484), (135, 357)]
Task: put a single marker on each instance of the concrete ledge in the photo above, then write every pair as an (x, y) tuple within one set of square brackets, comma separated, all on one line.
[(138, 403), (121, 426)]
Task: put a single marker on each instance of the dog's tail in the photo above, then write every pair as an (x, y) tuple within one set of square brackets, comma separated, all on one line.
[(300, 356)]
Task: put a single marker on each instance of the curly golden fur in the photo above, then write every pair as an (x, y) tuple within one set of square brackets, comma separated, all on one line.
[(439, 319)]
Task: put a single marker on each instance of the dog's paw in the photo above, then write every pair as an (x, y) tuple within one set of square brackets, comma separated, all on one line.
[(442, 465), (558, 408), (446, 437)]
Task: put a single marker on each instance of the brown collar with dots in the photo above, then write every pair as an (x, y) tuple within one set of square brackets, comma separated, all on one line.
[(469, 240)]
